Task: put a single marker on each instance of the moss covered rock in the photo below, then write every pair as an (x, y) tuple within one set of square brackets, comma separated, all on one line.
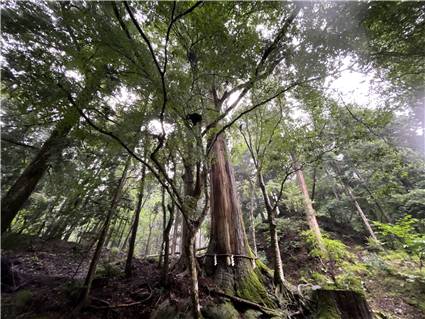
[(220, 311)]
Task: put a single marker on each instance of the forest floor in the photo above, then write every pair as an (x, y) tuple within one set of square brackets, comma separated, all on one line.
[(390, 281), (51, 272)]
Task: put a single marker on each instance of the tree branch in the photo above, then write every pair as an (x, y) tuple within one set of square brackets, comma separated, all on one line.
[(11, 141), (225, 127)]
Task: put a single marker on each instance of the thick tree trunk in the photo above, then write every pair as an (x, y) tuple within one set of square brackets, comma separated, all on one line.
[(21, 190), (308, 207), (230, 261), (227, 229), (132, 243), (96, 256)]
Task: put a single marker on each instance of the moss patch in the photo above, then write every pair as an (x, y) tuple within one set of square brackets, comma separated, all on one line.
[(220, 311), (251, 287), (23, 298)]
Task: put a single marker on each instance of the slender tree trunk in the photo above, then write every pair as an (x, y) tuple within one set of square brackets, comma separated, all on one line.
[(148, 241), (188, 189), (362, 215), (165, 266), (109, 236), (164, 226), (360, 212), (175, 234), (132, 243), (127, 237), (158, 242), (118, 245), (96, 256), (118, 232), (313, 187), (196, 309), (21, 190), (279, 278), (308, 207), (68, 233), (382, 211), (251, 219)]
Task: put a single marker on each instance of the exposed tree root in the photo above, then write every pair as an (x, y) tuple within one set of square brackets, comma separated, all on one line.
[(265, 310)]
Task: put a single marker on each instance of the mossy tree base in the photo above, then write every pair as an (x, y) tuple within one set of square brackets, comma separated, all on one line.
[(254, 284), (340, 304)]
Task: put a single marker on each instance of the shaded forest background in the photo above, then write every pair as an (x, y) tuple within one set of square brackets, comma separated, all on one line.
[(177, 149)]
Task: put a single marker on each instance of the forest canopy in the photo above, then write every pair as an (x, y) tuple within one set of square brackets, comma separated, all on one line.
[(221, 157)]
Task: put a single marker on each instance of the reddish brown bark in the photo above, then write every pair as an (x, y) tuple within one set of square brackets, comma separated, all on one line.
[(310, 213), (228, 238)]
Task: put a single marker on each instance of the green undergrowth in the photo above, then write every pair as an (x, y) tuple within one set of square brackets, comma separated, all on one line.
[(340, 269), (374, 271), (108, 270), (399, 276)]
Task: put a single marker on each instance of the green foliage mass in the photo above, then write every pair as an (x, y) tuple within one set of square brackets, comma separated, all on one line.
[(403, 235), (260, 75)]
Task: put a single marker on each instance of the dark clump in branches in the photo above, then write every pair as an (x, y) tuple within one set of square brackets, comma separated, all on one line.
[(194, 118)]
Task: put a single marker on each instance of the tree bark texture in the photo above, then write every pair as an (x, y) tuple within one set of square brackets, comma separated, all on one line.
[(230, 261), (308, 207)]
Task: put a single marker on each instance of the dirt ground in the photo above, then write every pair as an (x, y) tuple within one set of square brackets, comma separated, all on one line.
[(51, 273)]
